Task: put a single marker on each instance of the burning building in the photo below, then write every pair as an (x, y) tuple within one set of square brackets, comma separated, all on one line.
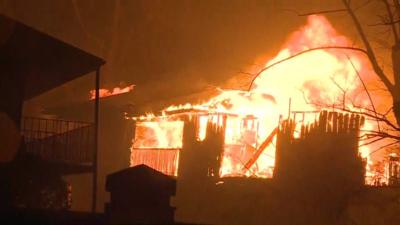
[(277, 128), (158, 142), (319, 169), (303, 84), (297, 88)]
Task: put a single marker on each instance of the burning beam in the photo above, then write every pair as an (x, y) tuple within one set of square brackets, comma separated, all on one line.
[(262, 147)]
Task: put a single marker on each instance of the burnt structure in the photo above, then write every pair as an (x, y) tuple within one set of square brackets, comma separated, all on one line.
[(201, 159), (315, 174), (140, 195), (325, 151), (322, 167), (394, 170), (198, 130)]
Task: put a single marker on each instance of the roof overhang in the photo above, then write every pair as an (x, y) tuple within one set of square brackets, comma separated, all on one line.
[(42, 61)]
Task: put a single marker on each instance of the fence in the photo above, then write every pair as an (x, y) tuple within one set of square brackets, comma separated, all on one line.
[(325, 151)]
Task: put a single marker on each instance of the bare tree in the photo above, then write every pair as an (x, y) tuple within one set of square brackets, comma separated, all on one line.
[(388, 20), (391, 19)]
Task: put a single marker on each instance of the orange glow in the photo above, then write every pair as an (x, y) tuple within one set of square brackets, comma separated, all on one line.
[(115, 91), (159, 134), (311, 82)]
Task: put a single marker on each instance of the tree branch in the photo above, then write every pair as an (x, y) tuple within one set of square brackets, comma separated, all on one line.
[(301, 53), (391, 20), (380, 119), (326, 11), (370, 53), (374, 115), (397, 6), (371, 142), (382, 147), (316, 12), (344, 91), (385, 23), (365, 88)]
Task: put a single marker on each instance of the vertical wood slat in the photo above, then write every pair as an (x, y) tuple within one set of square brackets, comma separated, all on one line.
[(333, 122), (333, 137)]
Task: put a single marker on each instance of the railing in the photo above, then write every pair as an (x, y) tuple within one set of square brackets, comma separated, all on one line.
[(58, 140)]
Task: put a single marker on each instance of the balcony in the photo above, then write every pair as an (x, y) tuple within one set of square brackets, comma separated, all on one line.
[(56, 140)]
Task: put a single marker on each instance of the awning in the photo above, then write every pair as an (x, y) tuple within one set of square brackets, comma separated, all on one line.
[(43, 62)]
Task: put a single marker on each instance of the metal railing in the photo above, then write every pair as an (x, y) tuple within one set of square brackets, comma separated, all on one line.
[(58, 140)]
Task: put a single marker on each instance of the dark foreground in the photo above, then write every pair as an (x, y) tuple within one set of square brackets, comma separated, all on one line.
[(42, 217)]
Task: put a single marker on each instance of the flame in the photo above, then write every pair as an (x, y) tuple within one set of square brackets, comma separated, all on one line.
[(115, 91), (323, 78), (159, 134)]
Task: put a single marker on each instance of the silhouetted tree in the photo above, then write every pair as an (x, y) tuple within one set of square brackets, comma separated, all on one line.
[(391, 129)]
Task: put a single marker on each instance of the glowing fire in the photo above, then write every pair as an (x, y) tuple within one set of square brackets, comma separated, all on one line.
[(115, 91), (312, 81), (159, 134)]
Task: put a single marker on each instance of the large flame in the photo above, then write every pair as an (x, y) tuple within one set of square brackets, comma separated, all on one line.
[(323, 78)]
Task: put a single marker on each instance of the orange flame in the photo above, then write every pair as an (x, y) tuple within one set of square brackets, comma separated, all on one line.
[(115, 91), (312, 81)]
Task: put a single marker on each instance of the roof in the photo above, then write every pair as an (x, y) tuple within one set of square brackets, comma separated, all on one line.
[(140, 175), (41, 59), (136, 100)]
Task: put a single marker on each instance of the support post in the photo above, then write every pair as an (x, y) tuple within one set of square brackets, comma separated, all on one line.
[(96, 137)]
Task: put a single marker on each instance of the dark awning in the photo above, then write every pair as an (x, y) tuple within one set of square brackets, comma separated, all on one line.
[(43, 61)]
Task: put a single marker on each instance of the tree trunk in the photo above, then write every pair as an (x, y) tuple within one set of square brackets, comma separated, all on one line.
[(396, 110), (396, 76)]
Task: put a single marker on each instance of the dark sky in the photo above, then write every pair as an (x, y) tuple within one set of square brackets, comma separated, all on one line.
[(168, 48)]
